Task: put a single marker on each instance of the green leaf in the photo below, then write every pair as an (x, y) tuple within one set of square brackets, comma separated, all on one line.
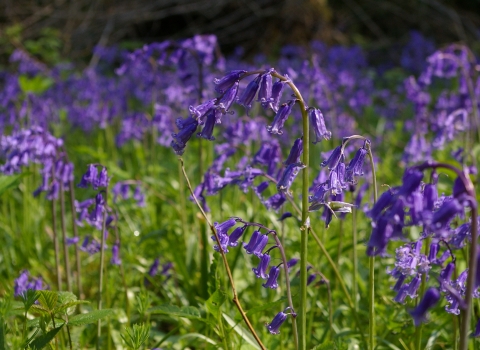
[(43, 340), (242, 332), (29, 298), (173, 310), (48, 299), (10, 181), (2, 334), (68, 305), (267, 306), (199, 336), (91, 317), (36, 322), (214, 302)]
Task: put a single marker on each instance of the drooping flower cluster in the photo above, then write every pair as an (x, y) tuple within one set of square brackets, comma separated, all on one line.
[(257, 246), (37, 146), (24, 282), (415, 203), (122, 190), (328, 190)]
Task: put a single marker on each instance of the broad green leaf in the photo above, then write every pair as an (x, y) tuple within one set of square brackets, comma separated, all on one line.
[(173, 310), (48, 299), (43, 340), (2, 334), (10, 181), (242, 332), (199, 336), (267, 306), (68, 305), (36, 322), (214, 302), (91, 317), (40, 309)]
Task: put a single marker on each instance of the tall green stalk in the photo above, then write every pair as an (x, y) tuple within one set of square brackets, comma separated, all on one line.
[(102, 258)]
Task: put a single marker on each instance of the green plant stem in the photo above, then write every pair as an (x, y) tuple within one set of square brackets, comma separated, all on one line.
[(355, 258), (55, 238), (371, 265), (75, 234), (304, 229), (418, 330), (102, 258), (66, 259), (224, 258)]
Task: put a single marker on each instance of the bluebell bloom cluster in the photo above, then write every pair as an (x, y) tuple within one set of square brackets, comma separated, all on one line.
[(24, 282)]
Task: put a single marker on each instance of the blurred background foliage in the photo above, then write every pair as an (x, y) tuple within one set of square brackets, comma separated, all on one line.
[(52, 31)]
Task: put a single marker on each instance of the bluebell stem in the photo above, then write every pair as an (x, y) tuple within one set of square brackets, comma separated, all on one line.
[(274, 326), (249, 94), (318, 124), (272, 278), (429, 300), (295, 152), (280, 118), (223, 84), (261, 270)]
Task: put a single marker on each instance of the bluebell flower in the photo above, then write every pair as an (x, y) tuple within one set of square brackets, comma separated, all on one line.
[(89, 177), (187, 128), (285, 215), (276, 201), (24, 283), (292, 262), (355, 167), (265, 90), (412, 178), (429, 300), (295, 152), (227, 81), (260, 244), (274, 326), (281, 117), (445, 214), (251, 243), (272, 278), (261, 270), (116, 254), (235, 235), (476, 333), (289, 174), (334, 158), (249, 94), (199, 112), (207, 131), (317, 122), (382, 231), (311, 278), (227, 99), (277, 91)]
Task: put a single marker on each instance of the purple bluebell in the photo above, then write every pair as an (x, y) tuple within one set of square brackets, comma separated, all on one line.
[(223, 84), (334, 158), (381, 233), (261, 270), (277, 91), (413, 286), (288, 176), (152, 271), (285, 215), (319, 193), (272, 278), (430, 197), (249, 93), (72, 240), (311, 278), (24, 283), (96, 214), (276, 201), (207, 131), (281, 117), (251, 243), (317, 122), (442, 217), (90, 245), (187, 128), (401, 294), (116, 254), (433, 251), (295, 152), (292, 262), (260, 244), (459, 189), (265, 90), (226, 101), (274, 326), (235, 235), (89, 177), (429, 300), (355, 167), (139, 196), (476, 333), (383, 202), (412, 178), (201, 110), (101, 180)]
